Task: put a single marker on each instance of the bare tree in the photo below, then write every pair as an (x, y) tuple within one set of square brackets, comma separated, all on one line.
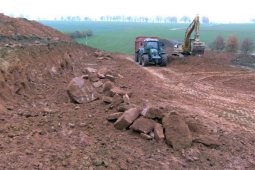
[(159, 19), (102, 18), (129, 18), (205, 20), (68, 18), (146, 19), (185, 19), (247, 46), (170, 19), (218, 43), (232, 44), (173, 19), (87, 19)]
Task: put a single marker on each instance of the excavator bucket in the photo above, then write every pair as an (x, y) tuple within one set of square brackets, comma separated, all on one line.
[(198, 48)]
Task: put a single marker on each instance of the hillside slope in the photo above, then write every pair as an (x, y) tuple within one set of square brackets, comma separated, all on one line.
[(22, 27)]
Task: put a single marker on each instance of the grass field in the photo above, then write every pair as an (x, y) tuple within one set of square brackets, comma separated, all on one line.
[(119, 37)]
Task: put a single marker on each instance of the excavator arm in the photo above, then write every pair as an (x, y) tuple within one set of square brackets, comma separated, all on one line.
[(195, 25)]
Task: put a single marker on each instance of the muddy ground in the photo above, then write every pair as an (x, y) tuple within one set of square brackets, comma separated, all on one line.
[(41, 128)]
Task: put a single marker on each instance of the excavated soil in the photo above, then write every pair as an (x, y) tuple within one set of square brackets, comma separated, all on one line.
[(18, 27), (42, 129)]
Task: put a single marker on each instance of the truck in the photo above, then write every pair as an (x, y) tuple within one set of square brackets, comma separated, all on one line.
[(191, 46), (149, 50)]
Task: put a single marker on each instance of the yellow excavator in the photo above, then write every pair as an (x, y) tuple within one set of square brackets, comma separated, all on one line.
[(191, 46)]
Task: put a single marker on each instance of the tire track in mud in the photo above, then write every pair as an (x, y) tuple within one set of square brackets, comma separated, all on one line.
[(193, 89)]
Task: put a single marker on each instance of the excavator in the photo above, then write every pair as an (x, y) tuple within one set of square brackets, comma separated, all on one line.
[(191, 46)]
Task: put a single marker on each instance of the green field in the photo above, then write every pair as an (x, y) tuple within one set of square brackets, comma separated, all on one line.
[(119, 37)]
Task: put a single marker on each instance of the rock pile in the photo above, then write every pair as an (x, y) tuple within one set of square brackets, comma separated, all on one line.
[(99, 84), (150, 122)]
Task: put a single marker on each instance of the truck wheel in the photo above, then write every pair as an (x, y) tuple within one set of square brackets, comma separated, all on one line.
[(145, 60), (136, 57), (163, 60), (140, 59)]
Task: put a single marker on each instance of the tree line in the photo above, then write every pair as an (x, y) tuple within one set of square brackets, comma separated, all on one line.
[(157, 19), (232, 44)]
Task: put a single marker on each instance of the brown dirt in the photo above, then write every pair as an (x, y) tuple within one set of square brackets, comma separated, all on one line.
[(16, 27), (41, 129)]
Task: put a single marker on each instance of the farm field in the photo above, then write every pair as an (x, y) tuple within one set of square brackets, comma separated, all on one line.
[(119, 37)]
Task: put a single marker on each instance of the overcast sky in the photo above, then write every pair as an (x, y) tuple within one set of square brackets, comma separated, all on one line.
[(216, 10)]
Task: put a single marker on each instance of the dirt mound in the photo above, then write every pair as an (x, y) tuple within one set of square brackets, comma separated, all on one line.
[(245, 60), (21, 28), (22, 68), (167, 43)]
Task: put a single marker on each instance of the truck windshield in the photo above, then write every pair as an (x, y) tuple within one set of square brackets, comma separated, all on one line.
[(152, 44)]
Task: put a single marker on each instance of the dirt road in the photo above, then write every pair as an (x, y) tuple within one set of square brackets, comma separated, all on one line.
[(226, 95)]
